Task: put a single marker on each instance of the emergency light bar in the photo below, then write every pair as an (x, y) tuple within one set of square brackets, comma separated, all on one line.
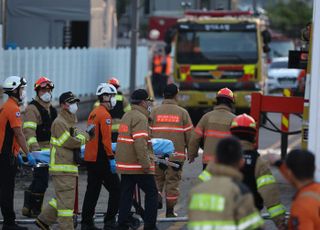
[(219, 13)]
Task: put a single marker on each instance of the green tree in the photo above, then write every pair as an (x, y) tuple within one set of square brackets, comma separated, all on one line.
[(290, 17)]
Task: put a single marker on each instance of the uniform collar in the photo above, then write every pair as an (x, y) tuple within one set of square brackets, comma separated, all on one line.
[(69, 117), (247, 145), (224, 170), (141, 110), (42, 103), (222, 107), (169, 101), (13, 100)]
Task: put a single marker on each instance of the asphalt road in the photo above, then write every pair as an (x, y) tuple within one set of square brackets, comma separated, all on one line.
[(269, 142)]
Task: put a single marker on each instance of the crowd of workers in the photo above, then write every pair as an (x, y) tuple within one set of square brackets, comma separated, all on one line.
[(235, 185)]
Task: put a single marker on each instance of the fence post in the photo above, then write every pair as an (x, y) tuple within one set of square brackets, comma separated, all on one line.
[(285, 118)]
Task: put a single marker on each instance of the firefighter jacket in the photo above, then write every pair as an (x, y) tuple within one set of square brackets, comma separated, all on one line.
[(212, 127), (172, 122), (65, 140), (101, 143), (305, 208), (134, 154), (37, 124), (258, 177), (222, 202), (118, 111)]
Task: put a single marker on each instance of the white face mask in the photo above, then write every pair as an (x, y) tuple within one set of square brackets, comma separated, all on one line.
[(23, 95), (46, 97), (73, 108), (113, 101)]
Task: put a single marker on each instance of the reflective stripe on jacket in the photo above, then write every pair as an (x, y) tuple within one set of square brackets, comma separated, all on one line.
[(134, 154), (63, 144), (212, 127), (172, 122), (222, 202)]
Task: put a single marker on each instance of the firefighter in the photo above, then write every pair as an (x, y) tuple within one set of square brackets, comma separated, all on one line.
[(11, 140), (39, 116), (224, 202), (159, 71), (212, 127), (100, 161), (117, 112), (172, 122), (65, 144), (135, 160), (298, 168)]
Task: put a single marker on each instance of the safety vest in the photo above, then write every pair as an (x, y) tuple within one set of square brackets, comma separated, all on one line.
[(43, 130), (157, 64)]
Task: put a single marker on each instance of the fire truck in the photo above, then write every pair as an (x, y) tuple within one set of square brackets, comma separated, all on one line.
[(217, 49)]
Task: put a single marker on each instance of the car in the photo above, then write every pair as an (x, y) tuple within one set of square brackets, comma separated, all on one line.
[(281, 77)]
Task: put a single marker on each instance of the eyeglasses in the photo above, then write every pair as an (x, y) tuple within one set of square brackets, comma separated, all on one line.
[(46, 85)]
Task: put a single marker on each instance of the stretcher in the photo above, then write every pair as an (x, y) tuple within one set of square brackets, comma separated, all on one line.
[(162, 148)]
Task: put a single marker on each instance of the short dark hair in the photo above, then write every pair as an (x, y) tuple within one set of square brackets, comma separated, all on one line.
[(229, 151), (301, 163), (225, 101)]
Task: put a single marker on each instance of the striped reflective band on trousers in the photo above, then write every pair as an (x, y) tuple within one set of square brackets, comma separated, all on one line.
[(30, 125), (207, 202), (276, 210), (265, 180), (68, 168), (31, 141), (251, 221), (205, 176)]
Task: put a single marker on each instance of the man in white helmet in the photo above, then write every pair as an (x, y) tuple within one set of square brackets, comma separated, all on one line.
[(100, 161), (11, 140)]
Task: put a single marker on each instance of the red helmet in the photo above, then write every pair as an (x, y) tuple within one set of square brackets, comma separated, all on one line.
[(225, 93), (115, 82), (243, 124), (43, 82)]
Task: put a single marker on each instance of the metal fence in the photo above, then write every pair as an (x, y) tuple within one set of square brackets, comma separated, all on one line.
[(78, 70)]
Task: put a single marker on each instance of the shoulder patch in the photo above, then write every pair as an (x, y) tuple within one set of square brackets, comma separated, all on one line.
[(18, 114), (108, 121)]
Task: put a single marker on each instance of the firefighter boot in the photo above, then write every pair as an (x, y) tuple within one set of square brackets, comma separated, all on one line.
[(110, 224), (170, 212), (36, 200), (160, 205), (27, 204)]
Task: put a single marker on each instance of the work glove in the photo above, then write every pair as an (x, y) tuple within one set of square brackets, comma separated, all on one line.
[(112, 163), (20, 160), (31, 160)]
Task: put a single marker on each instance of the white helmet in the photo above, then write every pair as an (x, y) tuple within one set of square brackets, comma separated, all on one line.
[(13, 82), (106, 88)]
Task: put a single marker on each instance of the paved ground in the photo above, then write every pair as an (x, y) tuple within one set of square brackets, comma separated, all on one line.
[(269, 142)]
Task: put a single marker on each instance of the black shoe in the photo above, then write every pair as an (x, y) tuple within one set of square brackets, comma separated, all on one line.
[(170, 213), (110, 224), (40, 224), (26, 210), (13, 227), (89, 227)]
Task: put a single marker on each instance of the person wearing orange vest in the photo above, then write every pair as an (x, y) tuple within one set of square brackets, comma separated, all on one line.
[(11, 140), (100, 161), (212, 127), (299, 168), (171, 122), (160, 68)]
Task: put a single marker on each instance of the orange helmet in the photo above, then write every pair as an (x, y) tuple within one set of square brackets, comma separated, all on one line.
[(225, 93), (115, 82), (243, 124), (43, 82)]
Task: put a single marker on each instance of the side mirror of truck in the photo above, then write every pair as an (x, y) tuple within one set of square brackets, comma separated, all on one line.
[(266, 36)]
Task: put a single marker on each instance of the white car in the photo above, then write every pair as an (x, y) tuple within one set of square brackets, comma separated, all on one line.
[(280, 77)]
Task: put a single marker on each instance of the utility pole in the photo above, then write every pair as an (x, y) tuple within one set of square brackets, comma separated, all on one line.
[(134, 42)]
